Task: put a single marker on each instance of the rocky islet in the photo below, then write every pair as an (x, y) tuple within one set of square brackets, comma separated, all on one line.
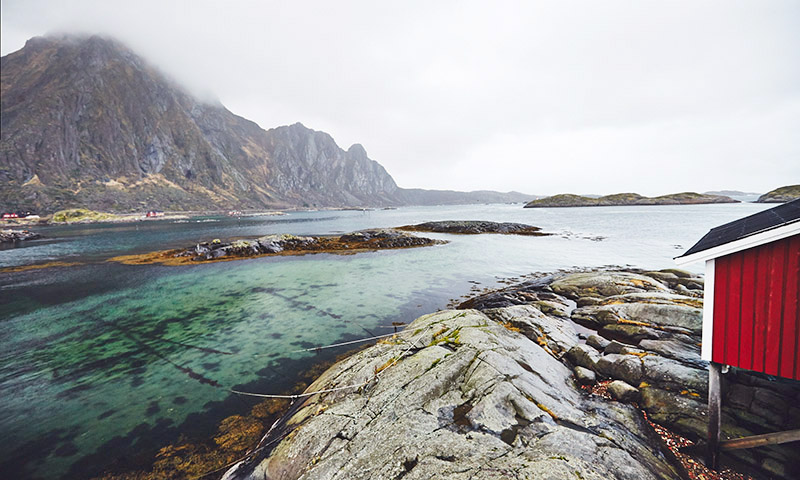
[(363, 240), (283, 244), (13, 236), (474, 227)]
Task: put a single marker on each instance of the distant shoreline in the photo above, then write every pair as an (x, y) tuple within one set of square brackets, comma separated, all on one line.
[(91, 217), (629, 199)]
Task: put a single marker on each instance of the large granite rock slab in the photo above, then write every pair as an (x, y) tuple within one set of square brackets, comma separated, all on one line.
[(648, 334), (458, 396), (592, 284)]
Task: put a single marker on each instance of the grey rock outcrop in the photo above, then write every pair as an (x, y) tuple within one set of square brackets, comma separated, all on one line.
[(605, 284), (459, 396), (648, 335), (12, 236), (372, 239), (584, 356)]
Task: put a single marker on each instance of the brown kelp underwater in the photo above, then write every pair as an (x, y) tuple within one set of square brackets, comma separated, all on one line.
[(192, 458)]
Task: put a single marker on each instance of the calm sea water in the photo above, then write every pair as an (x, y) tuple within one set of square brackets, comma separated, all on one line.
[(101, 360)]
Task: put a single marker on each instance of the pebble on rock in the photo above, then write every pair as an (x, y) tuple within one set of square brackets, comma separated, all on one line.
[(623, 392), (584, 376), (597, 342)]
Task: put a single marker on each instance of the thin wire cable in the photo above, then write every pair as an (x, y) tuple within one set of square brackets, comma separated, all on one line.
[(411, 344), (343, 343), (345, 387), (299, 395)]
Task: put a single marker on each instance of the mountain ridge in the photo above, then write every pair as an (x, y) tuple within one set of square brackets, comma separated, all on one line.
[(88, 123)]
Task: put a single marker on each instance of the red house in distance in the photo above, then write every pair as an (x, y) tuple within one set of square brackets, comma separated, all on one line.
[(751, 316)]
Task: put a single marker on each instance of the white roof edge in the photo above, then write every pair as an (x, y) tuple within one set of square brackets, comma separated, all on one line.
[(751, 241)]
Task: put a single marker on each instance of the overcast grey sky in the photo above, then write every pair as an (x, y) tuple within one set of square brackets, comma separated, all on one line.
[(540, 97)]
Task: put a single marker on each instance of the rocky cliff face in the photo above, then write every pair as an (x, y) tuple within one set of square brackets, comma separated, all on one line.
[(87, 122), (312, 169)]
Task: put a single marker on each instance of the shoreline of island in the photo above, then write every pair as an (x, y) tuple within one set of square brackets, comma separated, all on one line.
[(567, 200), (350, 243)]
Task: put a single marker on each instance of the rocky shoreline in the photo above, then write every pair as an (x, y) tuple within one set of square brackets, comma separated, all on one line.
[(13, 236), (82, 216), (282, 244), (498, 389)]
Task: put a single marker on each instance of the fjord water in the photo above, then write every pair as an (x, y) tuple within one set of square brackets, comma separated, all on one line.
[(102, 360)]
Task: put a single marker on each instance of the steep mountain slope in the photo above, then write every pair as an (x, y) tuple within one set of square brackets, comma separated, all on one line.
[(85, 122)]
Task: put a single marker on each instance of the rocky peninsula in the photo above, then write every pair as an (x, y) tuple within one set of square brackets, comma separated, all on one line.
[(555, 377), (781, 195), (473, 227), (622, 199), (282, 244)]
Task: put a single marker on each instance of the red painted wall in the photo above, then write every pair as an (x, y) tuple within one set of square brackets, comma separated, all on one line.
[(756, 314)]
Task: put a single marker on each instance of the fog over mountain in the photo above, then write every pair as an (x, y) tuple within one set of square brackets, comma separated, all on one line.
[(539, 97), (87, 122)]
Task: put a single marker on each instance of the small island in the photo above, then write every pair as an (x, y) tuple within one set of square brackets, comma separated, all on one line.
[(13, 236), (281, 244), (623, 199), (781, 195), (474, 227)]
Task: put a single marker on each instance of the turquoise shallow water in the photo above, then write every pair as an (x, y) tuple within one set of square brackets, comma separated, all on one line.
[(102, 360)]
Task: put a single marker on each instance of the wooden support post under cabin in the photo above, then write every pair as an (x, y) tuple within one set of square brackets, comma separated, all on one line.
[(753, 441), (714, 413)]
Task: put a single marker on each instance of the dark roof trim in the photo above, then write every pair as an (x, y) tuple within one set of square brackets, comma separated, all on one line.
[(760, 222)]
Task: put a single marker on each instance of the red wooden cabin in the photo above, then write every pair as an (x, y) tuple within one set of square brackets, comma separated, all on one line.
[(751, 316)]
